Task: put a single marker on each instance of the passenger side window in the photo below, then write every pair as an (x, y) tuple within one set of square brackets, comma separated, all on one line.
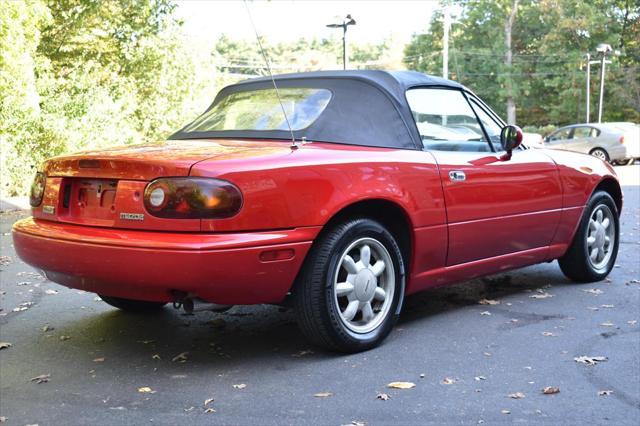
[(560, 135), (492, 128), (446, 121), (581, 132)]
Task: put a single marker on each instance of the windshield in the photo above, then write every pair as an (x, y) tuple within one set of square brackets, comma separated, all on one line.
[(260, 110)]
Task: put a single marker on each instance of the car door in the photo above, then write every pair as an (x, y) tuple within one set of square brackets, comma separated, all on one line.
[(560, 139), (583, 139), (494, 206)]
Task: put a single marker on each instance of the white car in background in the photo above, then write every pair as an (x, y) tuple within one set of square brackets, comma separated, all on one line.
[(612, 142)]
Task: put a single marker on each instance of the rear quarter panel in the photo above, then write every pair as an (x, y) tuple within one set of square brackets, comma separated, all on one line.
[(308, 186)]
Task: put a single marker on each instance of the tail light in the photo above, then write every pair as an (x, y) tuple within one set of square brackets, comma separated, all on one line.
[(192, 198), (621, 139), (37, 189)]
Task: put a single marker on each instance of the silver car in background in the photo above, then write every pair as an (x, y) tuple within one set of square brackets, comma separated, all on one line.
[(614, 142)]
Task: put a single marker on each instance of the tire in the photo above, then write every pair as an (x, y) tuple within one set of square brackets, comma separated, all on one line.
[(577, 263), (323, 307), (130, 305), (600, 153)]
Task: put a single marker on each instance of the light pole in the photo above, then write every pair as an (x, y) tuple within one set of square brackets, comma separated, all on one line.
[(348, 20), (603, 49), (588, 87)]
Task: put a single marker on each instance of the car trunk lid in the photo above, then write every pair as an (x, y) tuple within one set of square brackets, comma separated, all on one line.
[(105, 188)]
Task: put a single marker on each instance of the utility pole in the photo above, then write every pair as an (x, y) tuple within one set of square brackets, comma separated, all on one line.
[(588, 86), (603, 49), (445, 42)]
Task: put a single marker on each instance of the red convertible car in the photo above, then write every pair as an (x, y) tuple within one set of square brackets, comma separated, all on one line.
[(340, 193)]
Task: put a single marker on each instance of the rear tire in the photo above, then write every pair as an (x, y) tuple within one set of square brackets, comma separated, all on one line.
[(130, 305), (600, 153), (594, 248), (350, 291)]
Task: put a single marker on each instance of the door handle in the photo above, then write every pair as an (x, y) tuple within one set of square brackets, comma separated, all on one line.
[(457, 175)]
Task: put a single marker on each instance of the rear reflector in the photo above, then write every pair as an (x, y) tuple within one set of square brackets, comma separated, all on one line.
[(273, 255)]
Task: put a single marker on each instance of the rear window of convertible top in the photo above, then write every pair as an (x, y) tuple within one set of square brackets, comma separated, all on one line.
[(260, 110)]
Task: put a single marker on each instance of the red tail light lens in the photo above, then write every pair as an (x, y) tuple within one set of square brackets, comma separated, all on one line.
[(621, 139), (192, 198), (37, 189)]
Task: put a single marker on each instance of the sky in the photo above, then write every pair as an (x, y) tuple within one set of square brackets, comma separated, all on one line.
[(287, 20)]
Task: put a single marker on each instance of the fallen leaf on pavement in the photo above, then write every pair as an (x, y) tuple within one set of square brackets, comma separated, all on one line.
[(323, 394), (401, 385), (21, 283), (607, 324), (50, 291), (632, 322), (5, 345), (5, 260), (517, 395), (485, 313), (448, 381), (47, 328), (478, 378), (633, 282), (3, 419), (548, 334), (146, 342), (186, 410), (101, 359), (43, 378), (608, 306), (302, 353), (488, 302), (217, 323), (549, 390), (590, 360), (358, 423), (240, 386), (156, 356), (543, 295), (209, 411), (594, 291), (208, 401), (505, 412), (63, 338), (383, 396), (146, 389), (181, 357), (605, 392)]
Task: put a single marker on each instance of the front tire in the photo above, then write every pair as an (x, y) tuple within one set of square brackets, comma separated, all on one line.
[(594, 248), (130, 305), (350, 291)]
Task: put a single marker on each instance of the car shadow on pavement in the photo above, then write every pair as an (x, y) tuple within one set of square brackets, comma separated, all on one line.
[(258, 332)]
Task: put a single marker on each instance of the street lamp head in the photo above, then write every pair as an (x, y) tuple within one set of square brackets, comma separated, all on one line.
[(604, 48), (350, 20)]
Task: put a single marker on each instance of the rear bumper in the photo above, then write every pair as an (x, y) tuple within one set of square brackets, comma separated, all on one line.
[(235, 268)]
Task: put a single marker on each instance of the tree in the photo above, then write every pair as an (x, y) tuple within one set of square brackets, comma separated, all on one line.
[(548, 41)]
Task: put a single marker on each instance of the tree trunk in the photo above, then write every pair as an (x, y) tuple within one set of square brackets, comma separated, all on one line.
[(508, 61)]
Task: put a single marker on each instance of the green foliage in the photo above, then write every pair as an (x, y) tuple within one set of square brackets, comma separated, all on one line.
[(550, 39), (81, 74)]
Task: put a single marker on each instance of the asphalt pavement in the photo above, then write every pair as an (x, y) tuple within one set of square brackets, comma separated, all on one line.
[(74, 360)]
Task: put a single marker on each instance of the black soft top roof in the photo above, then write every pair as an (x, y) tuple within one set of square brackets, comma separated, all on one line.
[(367, 107)]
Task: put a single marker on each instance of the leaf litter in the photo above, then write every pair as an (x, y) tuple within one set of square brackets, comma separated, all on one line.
[(590, 360), (401, 385)]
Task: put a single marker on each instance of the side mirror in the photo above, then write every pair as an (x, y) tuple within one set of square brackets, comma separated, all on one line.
[(510, 139)]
